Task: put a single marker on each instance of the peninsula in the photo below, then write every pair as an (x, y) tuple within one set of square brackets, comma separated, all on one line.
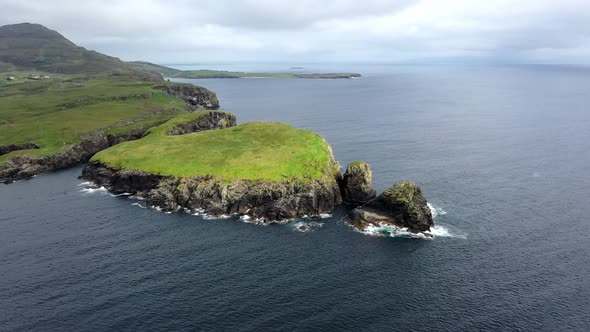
[(61, 105)]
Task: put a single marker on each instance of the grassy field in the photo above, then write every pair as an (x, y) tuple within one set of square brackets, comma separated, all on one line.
[(251, 151), (57, 112)]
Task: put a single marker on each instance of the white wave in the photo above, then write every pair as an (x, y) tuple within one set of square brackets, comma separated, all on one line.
[(198, 212), (385, 230), (446, 231), (138, 204), (91, 190), (119, 195), (250, 220), (325, 215), (210, 217), (87, 183), (435, 210), (305, 226)]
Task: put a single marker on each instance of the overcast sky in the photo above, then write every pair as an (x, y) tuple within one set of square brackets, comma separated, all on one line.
[(183, 31)]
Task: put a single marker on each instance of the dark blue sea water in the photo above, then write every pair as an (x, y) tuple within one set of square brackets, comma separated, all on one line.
[(504, 151)]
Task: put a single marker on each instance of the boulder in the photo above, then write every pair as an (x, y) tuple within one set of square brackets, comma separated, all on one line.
[(402, 205), (356, 184)]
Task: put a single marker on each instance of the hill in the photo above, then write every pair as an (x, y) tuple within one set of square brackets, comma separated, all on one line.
[(28, 46), (154, 68)]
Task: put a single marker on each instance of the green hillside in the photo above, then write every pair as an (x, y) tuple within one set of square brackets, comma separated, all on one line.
[(28, 46)]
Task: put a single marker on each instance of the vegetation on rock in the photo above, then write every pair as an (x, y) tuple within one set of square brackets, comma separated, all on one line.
[(401, 205), (357, 183)]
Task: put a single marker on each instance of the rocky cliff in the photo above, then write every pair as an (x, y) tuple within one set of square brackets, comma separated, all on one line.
[(267, 201), (196, 97), (402, 205), (357, 184)]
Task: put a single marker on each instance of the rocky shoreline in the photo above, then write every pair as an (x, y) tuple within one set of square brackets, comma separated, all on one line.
[(402, 206), (265, 200)]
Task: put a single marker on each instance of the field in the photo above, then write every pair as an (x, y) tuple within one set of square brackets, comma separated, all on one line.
[(57, 112), (251, 151)]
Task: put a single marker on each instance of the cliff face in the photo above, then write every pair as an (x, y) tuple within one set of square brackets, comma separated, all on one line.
[(402, 205), (196, 97), (211, 120), (266, 200), (357, 183)]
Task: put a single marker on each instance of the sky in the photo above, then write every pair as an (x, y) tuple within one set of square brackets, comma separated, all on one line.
[(380, 31)]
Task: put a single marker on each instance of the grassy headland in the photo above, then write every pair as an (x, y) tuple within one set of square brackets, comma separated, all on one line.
[(251, 151), (57, 112)]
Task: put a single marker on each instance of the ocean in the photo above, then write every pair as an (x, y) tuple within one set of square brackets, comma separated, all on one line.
[(502, 153)]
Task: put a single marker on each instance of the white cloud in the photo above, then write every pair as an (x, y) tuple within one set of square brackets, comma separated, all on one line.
[(306, 30)]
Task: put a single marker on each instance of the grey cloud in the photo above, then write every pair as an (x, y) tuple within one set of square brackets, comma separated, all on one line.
[(183, 31)]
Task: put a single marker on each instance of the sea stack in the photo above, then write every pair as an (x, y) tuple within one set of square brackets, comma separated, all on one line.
[(402, 205), (356, 184)]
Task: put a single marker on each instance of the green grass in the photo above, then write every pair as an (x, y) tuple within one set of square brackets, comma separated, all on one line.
[(55, 113), (251, 151), (403, 191)]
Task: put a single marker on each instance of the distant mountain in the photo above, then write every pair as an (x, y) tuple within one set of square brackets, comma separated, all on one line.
[(34, 47)]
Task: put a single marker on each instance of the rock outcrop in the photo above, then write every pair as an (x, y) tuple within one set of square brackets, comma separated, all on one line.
[(402, 205), (265, 200), (15, 147), (196, 97), (356, 183), (211, 120), (24, 167)]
